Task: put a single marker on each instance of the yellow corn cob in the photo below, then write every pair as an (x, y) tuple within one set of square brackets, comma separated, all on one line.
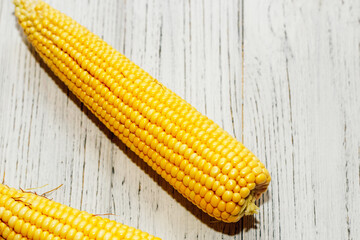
[(26, 215), (199, 159)]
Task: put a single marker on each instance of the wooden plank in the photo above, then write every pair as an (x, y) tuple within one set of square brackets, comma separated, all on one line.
[(301, 112), (301, 115)]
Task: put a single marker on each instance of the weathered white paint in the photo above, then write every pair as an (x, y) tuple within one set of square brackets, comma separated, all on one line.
[(299, 112), (302, 115)]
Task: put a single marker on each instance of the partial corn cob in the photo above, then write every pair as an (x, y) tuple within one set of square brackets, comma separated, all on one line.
[(25, 215), (199, 159)]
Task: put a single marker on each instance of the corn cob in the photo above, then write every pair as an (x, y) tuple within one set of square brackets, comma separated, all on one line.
[(24, 215), (198, 158)]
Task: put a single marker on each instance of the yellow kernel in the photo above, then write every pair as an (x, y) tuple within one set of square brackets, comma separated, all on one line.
[(215, 158), (248, 158), (53, 224), (245, 171), (46, 223), (182, 148), (17, 208), (71, 234), (203, 179), (214, 171), (203, 203), (207, 168), (221, 163), (192, 184), (184, 164), (230, 206), (208, 196), (22, 212), (172, 143), (237, 189), (192, 157), (221, 206), (31, 232), (12, 221), (220, 190), (78, 236), (197, 199), (230, 155), (215, 185), (251, 186), (242, 182), (227, 167), (257, 170), (93, 232), (253, 164), (198, 176), (174, 171), (241, 165), (236, 211), (236, 197), (215, 201), (180, 175), (268, 179), (197, 161), (234, 173), (261, 178), (227, 196), (37, 234), (224, 179), (25, 228), (64, 231), (205, 152), (225, 215), (193, 172), (186, 180), (188, 152), (216, 212), (203, 191), (201, 163), (168, 167), (190, 141), (177, 147), (244, 153), (209, 182), (196, 146), (230, 185), (244, 192), (197, 187), (209, 208), (6, 216), (250, 178), (219, 148)]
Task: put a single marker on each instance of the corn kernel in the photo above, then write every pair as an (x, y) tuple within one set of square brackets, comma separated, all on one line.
[(261, 178)]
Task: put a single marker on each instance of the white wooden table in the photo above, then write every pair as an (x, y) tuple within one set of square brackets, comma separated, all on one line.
[(283, 76)]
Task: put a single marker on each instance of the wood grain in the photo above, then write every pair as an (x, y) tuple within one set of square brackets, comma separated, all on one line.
[(283, 76), (302, 116)]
